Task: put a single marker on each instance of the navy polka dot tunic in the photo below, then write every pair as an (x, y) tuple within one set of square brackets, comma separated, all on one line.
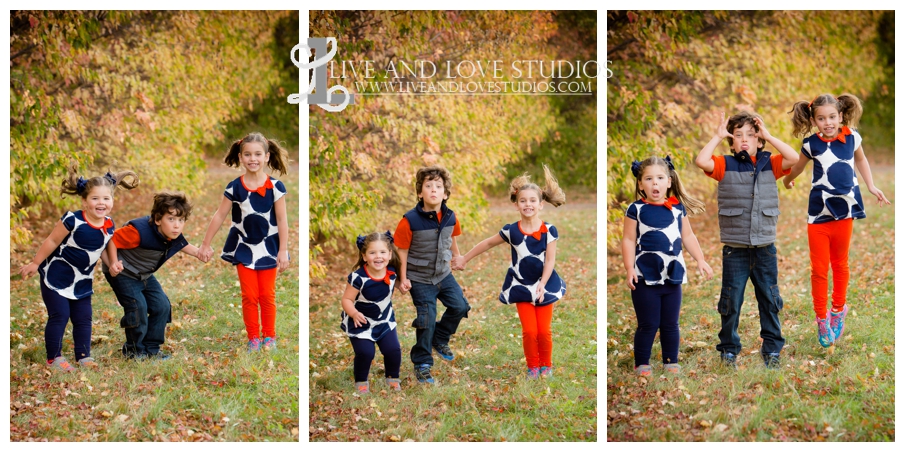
[(835, 194), (375, 301), (253, 240), (524, 274), (658, 248), (69, 270)]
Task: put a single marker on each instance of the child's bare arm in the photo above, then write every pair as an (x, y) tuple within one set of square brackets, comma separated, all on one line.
[(485, 245), (549, 263), (789, 156), (348, 303), (403, 255), (704, 160), (789, 180), (864, 169), (690, 241), (629, 237), (44, 251), (206, 249)]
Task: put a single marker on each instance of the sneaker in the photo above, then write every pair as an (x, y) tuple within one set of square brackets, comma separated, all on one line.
[(533, 373), (444, 351), (824, 333), (672, 368), (270, 344), (88, 362), (837, 322), (729, 359), (394, 384), (643, 370), (59, 364), (771, 360), (423, 374), (363, 387), (160, 356), (254, 345), (546, 371)]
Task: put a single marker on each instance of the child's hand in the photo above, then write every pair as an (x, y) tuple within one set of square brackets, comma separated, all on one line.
[(631, 279), (705, 270), (27, 270), (788, 182), (762, 129), (722, 131), (539, 292), (205, 254), (881, 198), (283, 261), (406, 285), (457, 263), (116, 268), (359, 319)]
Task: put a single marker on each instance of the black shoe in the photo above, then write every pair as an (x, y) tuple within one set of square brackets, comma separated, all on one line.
[(444, 351), (771, 360), (729, 359), (423, 373)]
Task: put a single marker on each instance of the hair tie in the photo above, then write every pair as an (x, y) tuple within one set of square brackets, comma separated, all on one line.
[(389, 236), (636, 169), (239, 141), (110, 177), (81, 185), (669, 163), (810, 103), (360, 242)]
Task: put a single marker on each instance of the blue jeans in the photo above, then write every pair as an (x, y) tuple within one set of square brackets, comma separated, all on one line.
[(759, 265), (146, 312), (428, 330)]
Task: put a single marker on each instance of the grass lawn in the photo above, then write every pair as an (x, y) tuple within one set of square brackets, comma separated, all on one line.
[(211, 389), (483, 393), (842, 394)]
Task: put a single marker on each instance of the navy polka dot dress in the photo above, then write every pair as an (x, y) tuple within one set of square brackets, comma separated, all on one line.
[(253, 240), (835, 194), (69, 270), (658, 249), (523, 276), (374, 300)]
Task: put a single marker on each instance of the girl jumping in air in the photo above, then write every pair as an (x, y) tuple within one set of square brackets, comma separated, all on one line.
[(531, 283), (654, 230), (368, 316), (835, 199), (66, 259), (258, 239)]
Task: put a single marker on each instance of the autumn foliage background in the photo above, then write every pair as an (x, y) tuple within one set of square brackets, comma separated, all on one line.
[(160, 93), (674, 73)]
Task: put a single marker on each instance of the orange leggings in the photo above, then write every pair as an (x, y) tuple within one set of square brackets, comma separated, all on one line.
[(829, 243), (258, 289), (537, 338)]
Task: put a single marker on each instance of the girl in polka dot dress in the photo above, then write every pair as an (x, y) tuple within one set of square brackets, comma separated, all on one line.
[(65, 263), (258, 240), (368, 316), (531, 283), (654, 230), (835, 199)]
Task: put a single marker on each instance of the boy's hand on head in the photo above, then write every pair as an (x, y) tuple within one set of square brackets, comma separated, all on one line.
[(722, 131), (762, 131)]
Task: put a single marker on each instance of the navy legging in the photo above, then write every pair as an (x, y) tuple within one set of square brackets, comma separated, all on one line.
[(657, 307), (59, 311), (364, 354)]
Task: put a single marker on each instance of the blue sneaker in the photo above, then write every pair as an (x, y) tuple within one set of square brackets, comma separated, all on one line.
[(533, 373), (444, 351), (423, 374), (729, 359), (824, 333), (546, 371), (771, 360), (254, 344), (837, 322), (269, 344)]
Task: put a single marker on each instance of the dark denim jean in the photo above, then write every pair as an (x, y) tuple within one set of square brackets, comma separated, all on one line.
[(759, 265), (428, 330), (146, 312)]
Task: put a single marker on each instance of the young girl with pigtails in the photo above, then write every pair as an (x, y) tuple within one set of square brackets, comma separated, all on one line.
[(258, 240), (531, 282), (66, 260), (654, 230), (368, 318), (835, 198)]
